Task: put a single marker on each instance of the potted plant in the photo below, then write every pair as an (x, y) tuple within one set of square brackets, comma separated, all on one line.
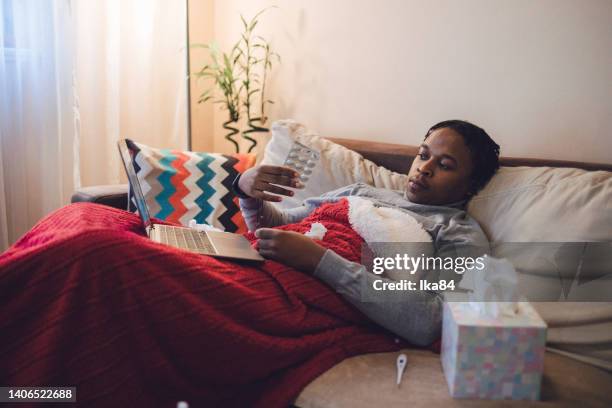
[(239, 82)]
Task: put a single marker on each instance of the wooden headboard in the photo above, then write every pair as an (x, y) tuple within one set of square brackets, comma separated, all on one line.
[(398, 157)]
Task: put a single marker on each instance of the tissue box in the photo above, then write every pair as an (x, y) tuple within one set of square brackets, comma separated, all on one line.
[(492, 358)]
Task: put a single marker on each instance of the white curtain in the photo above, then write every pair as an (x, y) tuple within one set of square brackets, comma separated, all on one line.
[(131, 80), (37, 163), (75, 77)]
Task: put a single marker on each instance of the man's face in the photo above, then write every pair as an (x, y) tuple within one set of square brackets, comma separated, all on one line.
[(440, 173)]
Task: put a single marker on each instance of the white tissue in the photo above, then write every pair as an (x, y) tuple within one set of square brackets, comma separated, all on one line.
[(202, 227), (317, 231), (495, 288)]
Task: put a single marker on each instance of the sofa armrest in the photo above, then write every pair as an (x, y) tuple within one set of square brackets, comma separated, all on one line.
[(111, 195)]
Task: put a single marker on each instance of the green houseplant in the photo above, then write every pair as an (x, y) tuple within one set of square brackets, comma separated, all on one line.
[(239, 82)]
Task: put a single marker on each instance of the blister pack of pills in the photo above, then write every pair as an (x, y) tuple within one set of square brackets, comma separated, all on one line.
[(303, 159)]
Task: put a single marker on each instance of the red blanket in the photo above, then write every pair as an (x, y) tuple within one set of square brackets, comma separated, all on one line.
[(89, 301)]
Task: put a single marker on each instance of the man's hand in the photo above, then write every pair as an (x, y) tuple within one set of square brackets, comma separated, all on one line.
[(258, 181), (290, 248)]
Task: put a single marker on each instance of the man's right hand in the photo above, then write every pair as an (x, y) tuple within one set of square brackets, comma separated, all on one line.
[(259, 181)]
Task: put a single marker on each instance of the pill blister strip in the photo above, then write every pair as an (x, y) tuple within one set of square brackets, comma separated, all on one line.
[(302, 159)]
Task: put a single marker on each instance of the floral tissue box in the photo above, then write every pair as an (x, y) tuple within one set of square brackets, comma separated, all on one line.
[(493, 357)]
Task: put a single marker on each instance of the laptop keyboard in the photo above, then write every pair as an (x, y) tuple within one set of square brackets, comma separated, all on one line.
[(185, 238)]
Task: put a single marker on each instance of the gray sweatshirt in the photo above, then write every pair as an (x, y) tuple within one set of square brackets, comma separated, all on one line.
[(414, 315)]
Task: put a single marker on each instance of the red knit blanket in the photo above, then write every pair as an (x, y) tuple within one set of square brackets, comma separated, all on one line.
[(89, 301)]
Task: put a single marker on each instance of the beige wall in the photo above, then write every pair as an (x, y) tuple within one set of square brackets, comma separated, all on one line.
[(537, 75)]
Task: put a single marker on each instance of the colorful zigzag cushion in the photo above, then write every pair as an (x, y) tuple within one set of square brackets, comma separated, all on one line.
[(180, 185)]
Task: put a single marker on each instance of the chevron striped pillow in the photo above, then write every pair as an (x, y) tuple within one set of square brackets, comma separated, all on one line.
[(179, 185)]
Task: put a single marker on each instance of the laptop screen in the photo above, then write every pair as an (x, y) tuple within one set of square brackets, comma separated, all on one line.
[(128, 163)]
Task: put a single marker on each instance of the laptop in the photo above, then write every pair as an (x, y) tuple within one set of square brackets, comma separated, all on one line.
[(213, 243)]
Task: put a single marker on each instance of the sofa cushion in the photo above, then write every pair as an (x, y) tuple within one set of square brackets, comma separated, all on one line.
[(181, 185)]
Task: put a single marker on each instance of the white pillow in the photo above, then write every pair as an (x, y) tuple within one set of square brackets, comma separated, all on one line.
[(531, 204), (552, 211), (338, 166)]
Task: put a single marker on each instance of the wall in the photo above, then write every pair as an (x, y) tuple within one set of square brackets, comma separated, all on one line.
[(537, 75)]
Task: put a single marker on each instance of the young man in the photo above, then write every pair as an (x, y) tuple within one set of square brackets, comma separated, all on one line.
[(455, 160)]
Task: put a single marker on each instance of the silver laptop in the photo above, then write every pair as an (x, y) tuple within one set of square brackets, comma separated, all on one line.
[(213, 243)]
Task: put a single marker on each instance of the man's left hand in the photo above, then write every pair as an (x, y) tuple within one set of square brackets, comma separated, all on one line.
[(290, 248)]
